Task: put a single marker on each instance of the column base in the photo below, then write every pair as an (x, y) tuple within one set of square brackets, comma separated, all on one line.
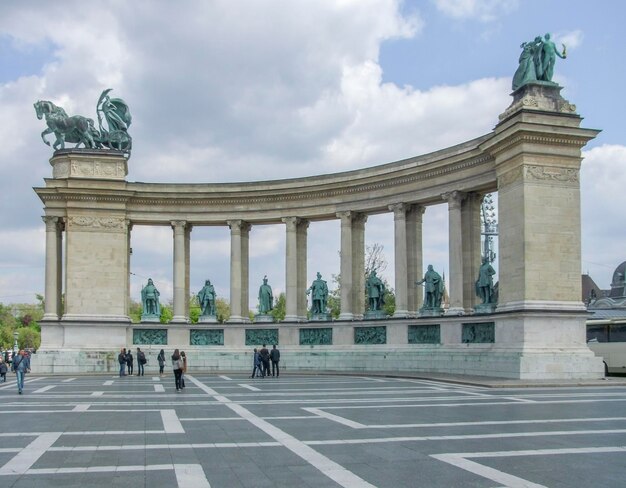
[(346, 316), (50, 316), (238, 319), (179, 319), (401, 314)]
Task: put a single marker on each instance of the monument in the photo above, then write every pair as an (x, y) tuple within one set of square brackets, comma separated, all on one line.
[(536, 330), (206, 300), (150, 303), (319, 299)]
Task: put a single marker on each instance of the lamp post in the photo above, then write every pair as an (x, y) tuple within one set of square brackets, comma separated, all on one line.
[(15, 346)]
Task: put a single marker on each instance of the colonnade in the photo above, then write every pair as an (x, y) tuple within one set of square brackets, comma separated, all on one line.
[(464, 260)]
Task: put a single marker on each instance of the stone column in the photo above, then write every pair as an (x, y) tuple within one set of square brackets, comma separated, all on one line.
[(188, 229), (291, 271), (347, 312), (239, 278), (129, 253), (455, 237), (470, 228), (53, 284), (358, 265), (415, 294), (401, 259), (180, 261), (301, 246)]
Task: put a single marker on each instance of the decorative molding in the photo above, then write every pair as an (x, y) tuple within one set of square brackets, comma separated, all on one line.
[(551, 174), (256, 337), (99, 224), (424, 334), (316, 337), (510, 177), (206, 337), (150, 336), (370, 335)]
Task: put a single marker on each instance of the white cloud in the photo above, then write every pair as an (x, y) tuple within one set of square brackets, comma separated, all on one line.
[(603, 200), (571, 39), (483, 10)]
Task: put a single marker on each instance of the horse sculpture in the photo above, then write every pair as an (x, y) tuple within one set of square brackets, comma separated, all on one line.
[(76, 129)]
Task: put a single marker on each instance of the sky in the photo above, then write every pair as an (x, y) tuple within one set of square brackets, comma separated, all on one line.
[(234, 90)]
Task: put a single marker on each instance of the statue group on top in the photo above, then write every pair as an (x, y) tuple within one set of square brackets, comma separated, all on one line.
[(536, 62), (82, 130)]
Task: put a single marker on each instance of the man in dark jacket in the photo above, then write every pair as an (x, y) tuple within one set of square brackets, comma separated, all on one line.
[(265, 358), (275, 357), (141, 361), (121, 358)]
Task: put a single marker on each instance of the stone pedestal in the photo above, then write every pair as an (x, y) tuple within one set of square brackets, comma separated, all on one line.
[(207, 319), (264, 319), (375, 315)]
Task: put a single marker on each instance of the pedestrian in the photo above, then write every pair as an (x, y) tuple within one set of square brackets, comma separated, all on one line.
[(256, 364), (275, 357), (265, 360), (182, 376), (121, 358), (161, 360), (177, 366), (129, 362), (141, 361), (3, 370), (21, 366)]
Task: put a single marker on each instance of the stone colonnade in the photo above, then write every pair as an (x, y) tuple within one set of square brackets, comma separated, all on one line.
[(531, 158), (408, 264)]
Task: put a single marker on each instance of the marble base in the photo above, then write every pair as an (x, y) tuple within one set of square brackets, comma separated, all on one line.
[(483, 308), (431, 312), (150, 318), (321, 317), (264, 319), (375, 315), (207, 319)]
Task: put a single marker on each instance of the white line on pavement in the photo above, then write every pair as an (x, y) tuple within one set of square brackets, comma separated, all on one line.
[(249, 387), (331, 469), (225, 378), (335, 418), (30, 454), (81, 407), (191, 475), (156, 378), (159, 388), (68, 380), (107, 383), (44, 388), (97, 393), (171, 423)]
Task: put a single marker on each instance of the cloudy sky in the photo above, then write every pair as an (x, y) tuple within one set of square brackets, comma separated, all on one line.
[(239, 90)]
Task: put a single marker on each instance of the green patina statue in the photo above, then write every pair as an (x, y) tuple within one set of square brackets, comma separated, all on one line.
[(433, 288), (81, 130), (319, 295), (484, 283), (150, 301), (375, 292), (206, 298), (266, 298), (536, 63)]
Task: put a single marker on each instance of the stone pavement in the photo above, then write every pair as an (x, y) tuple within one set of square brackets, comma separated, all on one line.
[(308, 431)]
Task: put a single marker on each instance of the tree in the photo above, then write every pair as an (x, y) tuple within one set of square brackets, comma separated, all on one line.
[(222, 307), (375, 260), (28, 338), (280, 308), (135, 310)]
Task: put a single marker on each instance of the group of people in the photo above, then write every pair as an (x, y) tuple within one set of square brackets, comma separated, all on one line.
[(127, 361), (261, 362)]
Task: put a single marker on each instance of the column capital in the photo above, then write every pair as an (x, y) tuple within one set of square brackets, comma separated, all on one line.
[(399, 210), (238, 225), (291, 222), (454, 198), (178, 224), (53, 223), (345, 215)]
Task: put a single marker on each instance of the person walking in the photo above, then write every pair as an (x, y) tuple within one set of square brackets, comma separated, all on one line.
[(21, 366), (256, 365), (177, 366), (265, 360), (141, 361), (275, 357), (161, 360), (129, 362), (183, 356), (3, 370), (121, 358)]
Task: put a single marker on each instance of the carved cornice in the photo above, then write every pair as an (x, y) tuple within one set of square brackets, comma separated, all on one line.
[(552, 140)]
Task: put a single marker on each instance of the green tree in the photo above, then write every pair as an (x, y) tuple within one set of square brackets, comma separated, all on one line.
[(280, 308), (194, 309), (6, 337), (222, 308), (28, 338), (166, 313), (135, 310)]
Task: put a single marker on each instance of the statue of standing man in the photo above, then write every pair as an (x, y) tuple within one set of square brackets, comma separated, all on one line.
[(319, 295), (206, 299), (433, 288), (375, 291), (266, 298), (150, 301), (484, 284)]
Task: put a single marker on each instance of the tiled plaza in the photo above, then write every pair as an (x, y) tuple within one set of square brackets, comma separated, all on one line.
[(307, 431)]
